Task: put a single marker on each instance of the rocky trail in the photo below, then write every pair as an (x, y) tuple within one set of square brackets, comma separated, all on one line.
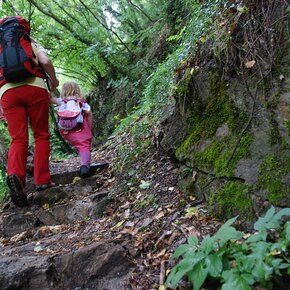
[(109, 231)]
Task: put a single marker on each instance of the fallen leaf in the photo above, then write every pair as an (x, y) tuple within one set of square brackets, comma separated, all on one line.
[(129, 224), (130, 231), (156, 185), (76, 179), (58, 228), (191, 211), (193, 231), (232, 27), (202, 39), (144, 184), (20, 237), (111, 180), (159, 215), (117, 225), (4, 242), (250, 64), (41, 232), (147, 222), (38, 249), (160, 254), (194, 173), (242, 9), (45, 206), (127, 212)]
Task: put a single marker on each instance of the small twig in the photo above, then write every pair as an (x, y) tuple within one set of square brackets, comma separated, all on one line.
[(162, 273), (181, 229), (172, 238), (259, 36)]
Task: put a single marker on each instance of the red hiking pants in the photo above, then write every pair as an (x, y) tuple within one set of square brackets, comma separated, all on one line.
[(20, 104)]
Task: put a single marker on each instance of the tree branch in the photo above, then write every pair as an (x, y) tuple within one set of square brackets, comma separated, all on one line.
[(140, 10), (87, 42), (105, 26), (69, 15), (48, 13)]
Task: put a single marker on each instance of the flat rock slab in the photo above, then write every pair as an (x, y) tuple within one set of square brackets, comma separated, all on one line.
[(49, 196), (96, 266), (92, 206), (53, 243), (18, 220), (68, 177)]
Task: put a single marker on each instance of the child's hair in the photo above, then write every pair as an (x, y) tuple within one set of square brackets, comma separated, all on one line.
[(71, 89)]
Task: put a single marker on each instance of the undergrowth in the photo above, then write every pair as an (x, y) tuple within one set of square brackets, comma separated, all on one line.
[(236, 260), (160, 84)]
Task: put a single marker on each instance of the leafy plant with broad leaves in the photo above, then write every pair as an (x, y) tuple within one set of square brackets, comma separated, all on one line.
[(234, 259)]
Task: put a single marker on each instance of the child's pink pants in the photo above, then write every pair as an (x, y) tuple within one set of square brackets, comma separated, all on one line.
[(81, 140)]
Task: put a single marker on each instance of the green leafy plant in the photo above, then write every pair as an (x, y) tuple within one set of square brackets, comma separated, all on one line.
[(3, 186), (234, 259)]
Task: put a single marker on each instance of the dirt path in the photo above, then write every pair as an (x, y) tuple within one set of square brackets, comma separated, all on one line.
[(137, 218)]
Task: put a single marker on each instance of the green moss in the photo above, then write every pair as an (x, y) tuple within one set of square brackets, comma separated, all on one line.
[(275, 137), (205, 159), (215, 157), (183, 151), (203, 180), (272, 171), (218, 107), (183, 87), (233, 199), (203, 121), (287, 123), (237, 120), (186, 186)]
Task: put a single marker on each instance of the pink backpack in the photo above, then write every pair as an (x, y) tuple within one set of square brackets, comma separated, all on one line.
[(70, 114)]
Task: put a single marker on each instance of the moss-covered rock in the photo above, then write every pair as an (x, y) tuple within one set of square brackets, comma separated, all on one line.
[(218, 146), (233, 198), (205, 148), (236, 136), (273, 171)]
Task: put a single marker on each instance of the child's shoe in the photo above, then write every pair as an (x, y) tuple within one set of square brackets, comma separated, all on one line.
[(84, 171), (17, 194)]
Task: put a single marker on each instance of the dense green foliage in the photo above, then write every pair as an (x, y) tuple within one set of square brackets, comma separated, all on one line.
[(123, 52), (235, 259), (92, 40), (5, 139)]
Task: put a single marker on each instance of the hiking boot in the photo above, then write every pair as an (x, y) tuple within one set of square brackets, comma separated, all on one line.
[(17, 194), (84, 171), (40, 187)]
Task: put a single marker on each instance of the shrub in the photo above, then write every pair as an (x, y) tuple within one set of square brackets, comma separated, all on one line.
[(235, 259)]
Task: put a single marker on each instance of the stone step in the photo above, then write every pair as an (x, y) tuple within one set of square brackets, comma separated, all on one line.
[(94, 266)]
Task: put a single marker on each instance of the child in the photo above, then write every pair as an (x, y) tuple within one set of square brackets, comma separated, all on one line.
[(81, 135)]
